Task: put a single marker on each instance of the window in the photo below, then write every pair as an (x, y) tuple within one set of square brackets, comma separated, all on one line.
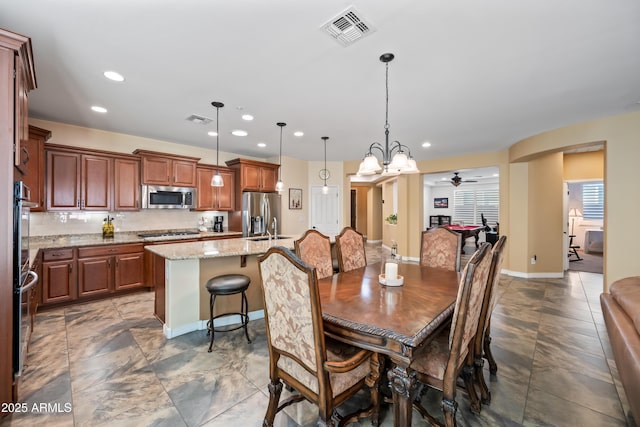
[(469, 204), (593, 200)]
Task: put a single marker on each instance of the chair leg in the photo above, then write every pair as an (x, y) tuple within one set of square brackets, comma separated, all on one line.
[(449, 408), (485, 394), (275, 390), (245, 315), (212, 301), (493, 367), (467, 376)]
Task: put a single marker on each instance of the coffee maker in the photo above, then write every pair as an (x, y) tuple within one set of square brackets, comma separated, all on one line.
[(217, 223)]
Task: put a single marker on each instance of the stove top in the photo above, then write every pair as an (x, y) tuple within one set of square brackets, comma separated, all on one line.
[(168, 234)]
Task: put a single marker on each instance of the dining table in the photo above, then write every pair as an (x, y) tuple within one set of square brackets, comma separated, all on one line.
[(395, 322)]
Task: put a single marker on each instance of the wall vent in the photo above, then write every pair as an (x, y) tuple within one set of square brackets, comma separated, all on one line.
[(199, 120), (348, 27)]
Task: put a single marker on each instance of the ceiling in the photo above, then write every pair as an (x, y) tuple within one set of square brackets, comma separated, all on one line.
[(468, 76)]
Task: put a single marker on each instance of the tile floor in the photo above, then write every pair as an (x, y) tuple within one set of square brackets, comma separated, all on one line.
[(107, 363)]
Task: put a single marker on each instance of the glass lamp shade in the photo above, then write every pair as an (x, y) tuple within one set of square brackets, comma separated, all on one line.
[(369, 166), (217, 181), (325, 189), (279, 186), (412, 167), (399, 162)]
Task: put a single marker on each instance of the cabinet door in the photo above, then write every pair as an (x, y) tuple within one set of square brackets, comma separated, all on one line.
[(126, 185), (95, 276), (251, 179), (268, 179), (58, 282), (225, 194), (96, 183), (129, 271), (63, 181), (34, 173), (156, 170), (184, 173), (204, 191)]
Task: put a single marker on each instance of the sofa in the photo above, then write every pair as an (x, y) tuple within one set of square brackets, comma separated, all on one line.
[(621, 311)]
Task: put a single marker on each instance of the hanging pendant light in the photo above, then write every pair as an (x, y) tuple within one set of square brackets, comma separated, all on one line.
[(280, 184), (396, 157), (217, 181), (325, 189)]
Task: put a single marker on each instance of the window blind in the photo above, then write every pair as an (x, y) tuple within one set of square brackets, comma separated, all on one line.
[(593, 200), (469, 204)]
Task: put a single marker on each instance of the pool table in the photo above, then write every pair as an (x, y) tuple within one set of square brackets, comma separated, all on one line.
[(467, 231)]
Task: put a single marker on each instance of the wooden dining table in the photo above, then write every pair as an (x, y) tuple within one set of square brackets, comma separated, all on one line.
[(396, 322)]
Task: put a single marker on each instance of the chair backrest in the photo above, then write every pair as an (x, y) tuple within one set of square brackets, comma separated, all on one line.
[(314, 249), (293, 317), (484, 222), (490, 295), (468, 306), (350, 250), (441, 247)]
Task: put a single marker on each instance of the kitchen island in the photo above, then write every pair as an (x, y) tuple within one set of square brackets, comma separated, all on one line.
[(182, 302)]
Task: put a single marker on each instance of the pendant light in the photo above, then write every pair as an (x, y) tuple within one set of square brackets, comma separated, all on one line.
[(325, 189), (280, 184), (217, 181)]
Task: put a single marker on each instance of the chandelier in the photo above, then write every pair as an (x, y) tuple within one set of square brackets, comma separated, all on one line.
[(396, 157)]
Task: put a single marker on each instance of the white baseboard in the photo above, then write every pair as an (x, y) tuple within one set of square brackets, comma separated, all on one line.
[(201, 325), (523, 275)]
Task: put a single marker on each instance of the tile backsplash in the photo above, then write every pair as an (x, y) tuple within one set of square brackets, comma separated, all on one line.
[(84, 222)]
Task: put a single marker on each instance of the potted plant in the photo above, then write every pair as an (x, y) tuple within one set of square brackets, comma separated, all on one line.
[(392, 219)]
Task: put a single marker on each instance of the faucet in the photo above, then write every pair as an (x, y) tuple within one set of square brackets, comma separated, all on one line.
[(268, 234), (275, 228)]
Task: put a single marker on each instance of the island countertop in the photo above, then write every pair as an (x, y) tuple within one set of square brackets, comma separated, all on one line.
[(218, 248)]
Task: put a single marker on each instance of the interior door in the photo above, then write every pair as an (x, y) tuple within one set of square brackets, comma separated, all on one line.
[(325, 210), (565, 225)]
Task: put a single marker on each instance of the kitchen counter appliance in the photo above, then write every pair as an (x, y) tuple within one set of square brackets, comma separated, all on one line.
[(218, 224), (159, 197)]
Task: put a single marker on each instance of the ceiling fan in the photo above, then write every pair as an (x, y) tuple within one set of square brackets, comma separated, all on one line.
[(456, 180)]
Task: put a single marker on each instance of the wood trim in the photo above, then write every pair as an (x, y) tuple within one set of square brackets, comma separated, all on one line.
[(168, 155), (239, 161), (90, 151)]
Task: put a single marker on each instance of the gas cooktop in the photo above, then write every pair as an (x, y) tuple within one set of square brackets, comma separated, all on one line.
[(168, 234)]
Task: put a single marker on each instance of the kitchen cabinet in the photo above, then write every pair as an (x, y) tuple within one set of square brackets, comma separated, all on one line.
[(167, 169), (107, 269), (78, 181), (32, 161), (210, 198), (58, 276), (17, 79), (126, 184), (254, 175)]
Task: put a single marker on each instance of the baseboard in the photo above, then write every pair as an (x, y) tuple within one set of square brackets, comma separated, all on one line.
[(523, 275), (201, 325)]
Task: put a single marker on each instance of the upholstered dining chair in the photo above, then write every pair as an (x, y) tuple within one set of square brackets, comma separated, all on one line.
[(350, 250), (445, 356), (321, 370), (442, 248), (314, 249), (482, 339)]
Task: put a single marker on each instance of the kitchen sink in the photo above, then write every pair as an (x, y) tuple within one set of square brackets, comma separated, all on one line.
[(262, 239)]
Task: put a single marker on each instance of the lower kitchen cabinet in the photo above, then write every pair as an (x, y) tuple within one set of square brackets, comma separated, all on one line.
[(91, 272)]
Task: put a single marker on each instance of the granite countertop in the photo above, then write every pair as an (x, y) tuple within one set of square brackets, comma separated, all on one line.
[(218, 248)]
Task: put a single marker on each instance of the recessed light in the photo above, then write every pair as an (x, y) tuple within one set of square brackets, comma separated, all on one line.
[(444, 179), (426, 144), (112, 75), (239, 132), (98, 109), (261, 144), (298, 133), (247, 117), (212, 133)]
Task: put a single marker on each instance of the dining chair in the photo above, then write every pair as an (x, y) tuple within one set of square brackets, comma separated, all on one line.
[(482, 339), (321, 370), (314, 249), (441, 248), (445, 356), (350, 250)]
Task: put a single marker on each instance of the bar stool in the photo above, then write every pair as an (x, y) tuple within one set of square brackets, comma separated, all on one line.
[(228, 284)]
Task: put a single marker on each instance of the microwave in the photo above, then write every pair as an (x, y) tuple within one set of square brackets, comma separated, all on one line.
[(158, 197)]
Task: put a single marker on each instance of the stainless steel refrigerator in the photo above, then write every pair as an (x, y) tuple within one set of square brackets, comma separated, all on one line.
[(260, 212)]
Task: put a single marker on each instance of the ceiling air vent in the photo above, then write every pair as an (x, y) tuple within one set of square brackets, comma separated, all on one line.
[(199, 120), (348, 27)]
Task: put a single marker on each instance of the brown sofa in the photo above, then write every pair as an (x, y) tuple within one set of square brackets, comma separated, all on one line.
[(621, 310)]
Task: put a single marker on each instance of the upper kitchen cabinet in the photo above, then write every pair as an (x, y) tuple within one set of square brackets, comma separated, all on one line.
[(126, 184), (78, 181), (32, 163), (167, 169), (210, 198), (255, 175)]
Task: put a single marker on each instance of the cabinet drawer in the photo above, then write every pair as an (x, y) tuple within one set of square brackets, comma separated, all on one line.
[(57, 254), (109, 250)]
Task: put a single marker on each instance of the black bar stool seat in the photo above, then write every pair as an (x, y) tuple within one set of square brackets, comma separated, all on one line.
[(228, 284)]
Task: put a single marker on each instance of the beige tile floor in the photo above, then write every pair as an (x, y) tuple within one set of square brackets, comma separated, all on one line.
[(107, 363)]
